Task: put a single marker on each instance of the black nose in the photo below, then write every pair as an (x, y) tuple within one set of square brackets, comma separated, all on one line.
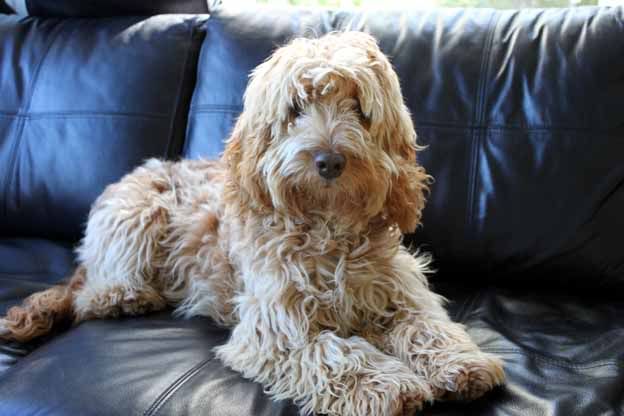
[(329, 164)]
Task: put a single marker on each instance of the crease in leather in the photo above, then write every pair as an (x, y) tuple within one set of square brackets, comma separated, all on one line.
[(175, 386), (471, 303), (466, 307), (476, 299), (532, 352)]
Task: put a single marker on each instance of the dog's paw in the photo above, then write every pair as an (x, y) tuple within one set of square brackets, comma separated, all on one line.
[(411, 401), (414, 393), (387, 395), (469, 378)]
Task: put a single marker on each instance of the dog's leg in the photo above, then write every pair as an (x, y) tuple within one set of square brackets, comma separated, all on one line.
[(443, 353), (440, 350), (111, 301), (120, 257), (78, 300), (322, 373), (122, 250)]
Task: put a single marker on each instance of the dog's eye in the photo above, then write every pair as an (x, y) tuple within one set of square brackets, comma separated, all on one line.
[(360, 113)]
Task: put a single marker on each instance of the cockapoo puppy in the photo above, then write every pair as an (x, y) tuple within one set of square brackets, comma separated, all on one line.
[(292, 239)]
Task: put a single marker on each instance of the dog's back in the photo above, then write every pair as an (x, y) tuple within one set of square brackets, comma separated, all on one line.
[(156, 221)]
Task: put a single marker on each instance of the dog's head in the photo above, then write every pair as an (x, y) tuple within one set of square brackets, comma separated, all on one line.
[(324, 130)]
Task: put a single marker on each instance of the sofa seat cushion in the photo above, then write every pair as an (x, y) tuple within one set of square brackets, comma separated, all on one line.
[(154, 365), (148, 366), (563, 355)]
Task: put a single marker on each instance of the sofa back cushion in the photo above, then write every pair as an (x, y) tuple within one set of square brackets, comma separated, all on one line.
[(84, 101), (545, 156), (105, 8), (521, 112)]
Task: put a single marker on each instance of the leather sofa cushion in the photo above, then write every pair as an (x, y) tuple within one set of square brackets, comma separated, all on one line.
[(563, 354), (107, 8), (83, 102), (520, 112)]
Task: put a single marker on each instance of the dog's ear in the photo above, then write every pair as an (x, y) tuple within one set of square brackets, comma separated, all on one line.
[(410, 183), (391, 124), (266, 106), (242, 155), (406, 198), (268, 103)]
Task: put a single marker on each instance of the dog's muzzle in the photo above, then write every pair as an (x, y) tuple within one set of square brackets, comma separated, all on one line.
[(330, 165)]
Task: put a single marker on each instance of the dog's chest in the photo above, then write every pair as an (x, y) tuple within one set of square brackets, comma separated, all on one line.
[(346, 287), (339, 280)]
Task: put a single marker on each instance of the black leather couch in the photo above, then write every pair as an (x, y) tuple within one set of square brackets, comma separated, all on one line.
[(523, 115)]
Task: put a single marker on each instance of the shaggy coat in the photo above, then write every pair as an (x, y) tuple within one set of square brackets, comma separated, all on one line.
[(326, 307)]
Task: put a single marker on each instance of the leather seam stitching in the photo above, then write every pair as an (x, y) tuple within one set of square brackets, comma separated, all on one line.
[(17, 279), (176, 106), (231, 107), (215, 111), (557, 362), (477, 116), (78, 114), (208, 109), (19, 128), (192, 107), (500, 127), (174, 387)]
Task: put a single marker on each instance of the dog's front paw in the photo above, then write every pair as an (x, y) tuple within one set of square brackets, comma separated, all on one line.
[(469, 377), (384, 395)]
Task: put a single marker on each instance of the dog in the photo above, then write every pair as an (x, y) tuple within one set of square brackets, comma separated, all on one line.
[(292, 239)]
